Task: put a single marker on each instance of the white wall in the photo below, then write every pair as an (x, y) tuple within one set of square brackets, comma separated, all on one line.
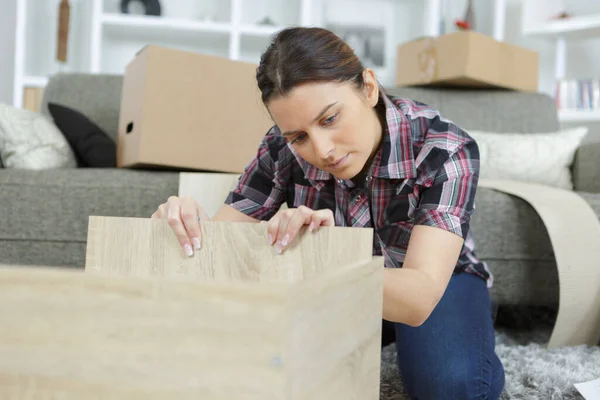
[(7, 49)]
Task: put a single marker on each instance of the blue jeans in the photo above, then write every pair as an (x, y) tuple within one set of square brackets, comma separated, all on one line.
[(452, 355)]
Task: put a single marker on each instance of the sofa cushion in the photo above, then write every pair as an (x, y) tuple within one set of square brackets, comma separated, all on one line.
[(92, 146), (544, 158), (489, 110), (29, 140), (97, 96), (512, 239), (53, 206), (507, 227)]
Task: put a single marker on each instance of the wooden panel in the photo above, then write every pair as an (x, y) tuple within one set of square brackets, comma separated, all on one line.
[(32, 98), (574, 236), (208, 189), (71, 335), (335, 342), (235, 321), (238, 251)]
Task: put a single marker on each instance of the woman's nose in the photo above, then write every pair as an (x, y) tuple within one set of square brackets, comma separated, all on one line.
[(322, 145)]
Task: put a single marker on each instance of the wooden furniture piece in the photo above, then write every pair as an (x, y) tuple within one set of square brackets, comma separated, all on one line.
[(235, 321), (574, 236)]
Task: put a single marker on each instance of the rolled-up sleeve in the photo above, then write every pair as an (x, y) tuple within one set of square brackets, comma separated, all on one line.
[(449, 201), (259, 193)]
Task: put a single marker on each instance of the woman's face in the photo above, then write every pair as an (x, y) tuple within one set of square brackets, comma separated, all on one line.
[(333, 126)]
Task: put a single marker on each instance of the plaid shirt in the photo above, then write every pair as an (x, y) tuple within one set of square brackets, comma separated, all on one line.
[(424, 173)]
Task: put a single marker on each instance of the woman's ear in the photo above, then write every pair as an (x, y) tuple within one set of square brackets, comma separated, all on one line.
[(371, 88)]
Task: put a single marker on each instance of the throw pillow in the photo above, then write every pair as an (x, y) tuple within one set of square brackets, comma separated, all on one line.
[(543, 158), (29, 140), (92, 146)]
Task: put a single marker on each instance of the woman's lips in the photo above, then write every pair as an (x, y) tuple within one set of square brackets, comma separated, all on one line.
[(338, 163)]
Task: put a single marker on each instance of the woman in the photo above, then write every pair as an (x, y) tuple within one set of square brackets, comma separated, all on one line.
[(342, 152)]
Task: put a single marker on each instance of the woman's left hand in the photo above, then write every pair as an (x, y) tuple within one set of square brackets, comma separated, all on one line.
[(284, 225)]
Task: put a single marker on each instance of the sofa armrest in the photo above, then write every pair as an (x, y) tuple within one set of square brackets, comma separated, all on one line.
[(586, 166)]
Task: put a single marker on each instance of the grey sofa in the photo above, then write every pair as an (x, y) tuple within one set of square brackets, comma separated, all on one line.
[(44, 214)]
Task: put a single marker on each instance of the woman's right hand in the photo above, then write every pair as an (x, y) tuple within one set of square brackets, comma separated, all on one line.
[(184, 215)]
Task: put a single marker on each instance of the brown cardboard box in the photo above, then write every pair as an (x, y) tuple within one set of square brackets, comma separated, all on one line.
[(467, 59), (189, 111)]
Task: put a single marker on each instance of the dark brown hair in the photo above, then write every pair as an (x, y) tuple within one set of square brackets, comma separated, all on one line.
[(300, 55)]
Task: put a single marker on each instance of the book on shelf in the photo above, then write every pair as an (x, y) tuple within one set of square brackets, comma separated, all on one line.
[(577, 94)]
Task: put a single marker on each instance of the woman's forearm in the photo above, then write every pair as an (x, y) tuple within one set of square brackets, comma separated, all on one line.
[(408, 296)]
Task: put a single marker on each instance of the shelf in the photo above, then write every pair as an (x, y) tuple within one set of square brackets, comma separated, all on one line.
[(576, 27), (279, 12), (260, 30), (35, 81), (125, 35), (579, 115), (149, 25), (216, 10)]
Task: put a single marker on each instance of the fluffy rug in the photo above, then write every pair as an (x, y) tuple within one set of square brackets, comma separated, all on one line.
[(533, 372)]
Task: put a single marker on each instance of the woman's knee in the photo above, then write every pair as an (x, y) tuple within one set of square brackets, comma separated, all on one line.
[(459, 381)]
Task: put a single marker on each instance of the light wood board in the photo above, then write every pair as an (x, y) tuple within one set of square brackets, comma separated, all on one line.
[(146, 332), (230, 251), (64, 331), (32, 98), (208, 189), (574, 230), (70, 335)]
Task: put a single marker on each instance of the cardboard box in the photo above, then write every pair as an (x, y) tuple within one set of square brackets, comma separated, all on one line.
[(467, 59), (189, 111)]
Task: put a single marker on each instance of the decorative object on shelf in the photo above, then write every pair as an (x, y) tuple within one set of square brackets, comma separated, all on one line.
[(468, 23), (562, 15), (64, 11), (266, 21), (577, 94), (208, 17), (141, 7), (368, 42)]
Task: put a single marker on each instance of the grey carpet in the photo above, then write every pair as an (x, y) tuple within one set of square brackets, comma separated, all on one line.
[(533, 372)]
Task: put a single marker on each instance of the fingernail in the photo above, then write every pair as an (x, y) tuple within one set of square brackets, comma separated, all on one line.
[(278, 248), (196, 243), (311, 227), (270, 237), (285, 239), (188, 250)]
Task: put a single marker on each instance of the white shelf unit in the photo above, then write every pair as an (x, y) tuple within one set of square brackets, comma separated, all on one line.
[(583, 23), (34, 44), (574, 115), (103, 40), (581, 27), (149, 25), (35, 81)]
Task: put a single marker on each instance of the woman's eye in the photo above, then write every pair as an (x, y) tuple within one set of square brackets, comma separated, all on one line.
[(330, 119), (299, 139)]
